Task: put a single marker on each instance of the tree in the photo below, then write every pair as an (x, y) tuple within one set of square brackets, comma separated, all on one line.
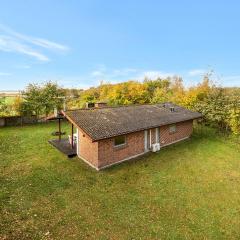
[(198, 93), (4, 110), (160, 95), (17, 105), (152, 85), (41, 99), (52, 97), (177, 90), (234, 112)]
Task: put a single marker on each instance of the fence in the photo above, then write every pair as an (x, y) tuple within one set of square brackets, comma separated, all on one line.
[(17, 121)]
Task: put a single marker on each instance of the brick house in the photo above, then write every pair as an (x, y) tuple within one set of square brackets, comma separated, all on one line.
[(109, 135)]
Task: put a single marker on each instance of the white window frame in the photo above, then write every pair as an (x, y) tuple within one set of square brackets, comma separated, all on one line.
[(122, 144), (172, 128)]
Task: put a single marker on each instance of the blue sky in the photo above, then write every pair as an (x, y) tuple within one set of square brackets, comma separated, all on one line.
[(80, 43)]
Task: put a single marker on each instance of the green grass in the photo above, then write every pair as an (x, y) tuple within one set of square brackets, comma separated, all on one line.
[(187, 191), (9, 100)]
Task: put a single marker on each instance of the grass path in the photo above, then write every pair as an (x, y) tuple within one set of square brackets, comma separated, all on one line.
[(187, 191)]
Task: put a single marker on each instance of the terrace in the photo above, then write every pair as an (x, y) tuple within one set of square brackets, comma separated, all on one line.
[(65, 145)]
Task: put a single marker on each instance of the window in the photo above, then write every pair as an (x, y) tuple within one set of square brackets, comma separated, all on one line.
[(172, 128), (119, 140)]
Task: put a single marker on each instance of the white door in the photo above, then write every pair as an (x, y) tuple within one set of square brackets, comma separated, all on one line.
[(157, 140), (146, 140)]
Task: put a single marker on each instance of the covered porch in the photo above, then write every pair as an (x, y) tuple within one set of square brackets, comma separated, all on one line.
[(66, 145)]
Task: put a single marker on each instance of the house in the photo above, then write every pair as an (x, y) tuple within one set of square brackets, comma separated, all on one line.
[(109, 135)]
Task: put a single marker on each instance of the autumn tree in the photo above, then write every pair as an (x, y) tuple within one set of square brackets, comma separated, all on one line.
[(177, 91), (41, 99), (4, 109)]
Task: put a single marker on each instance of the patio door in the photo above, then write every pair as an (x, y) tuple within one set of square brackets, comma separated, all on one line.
[(147, 140), (157, 139), (151, 136)]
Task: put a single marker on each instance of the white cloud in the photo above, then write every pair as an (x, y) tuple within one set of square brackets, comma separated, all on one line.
[(12, 41), (97, 73), (78, 82), (23, 66), (230, 81), (123, 74), (35, 41), (154, 75), (48, 44), (196, 72), (5, 74), (9, 44)]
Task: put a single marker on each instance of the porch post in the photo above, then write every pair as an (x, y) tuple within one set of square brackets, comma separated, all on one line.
[(72, 136), (59, 129)]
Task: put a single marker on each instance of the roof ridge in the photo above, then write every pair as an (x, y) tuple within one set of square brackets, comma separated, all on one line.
[(120, 106)]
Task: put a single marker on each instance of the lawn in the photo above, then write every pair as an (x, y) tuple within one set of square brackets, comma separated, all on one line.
[(187, 191), (9, 100)]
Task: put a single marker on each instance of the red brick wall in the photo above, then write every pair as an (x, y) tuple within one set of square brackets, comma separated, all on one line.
[(103, 152), (108, 153), (88, 150), (183, 130)]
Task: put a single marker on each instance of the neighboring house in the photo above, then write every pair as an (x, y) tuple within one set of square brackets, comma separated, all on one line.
[(110, 135)]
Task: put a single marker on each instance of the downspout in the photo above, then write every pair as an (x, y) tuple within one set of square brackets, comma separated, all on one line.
[(150, 136)]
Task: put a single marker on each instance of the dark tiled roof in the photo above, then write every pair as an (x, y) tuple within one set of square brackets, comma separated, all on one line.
[(100, 123)]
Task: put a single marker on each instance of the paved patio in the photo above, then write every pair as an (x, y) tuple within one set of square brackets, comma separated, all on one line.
[(64, 146)]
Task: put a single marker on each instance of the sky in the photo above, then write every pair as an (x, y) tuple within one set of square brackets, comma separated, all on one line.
[(82, 43)]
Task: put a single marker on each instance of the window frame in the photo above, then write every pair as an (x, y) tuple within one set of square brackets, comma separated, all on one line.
[(122, 144), (175, 128)]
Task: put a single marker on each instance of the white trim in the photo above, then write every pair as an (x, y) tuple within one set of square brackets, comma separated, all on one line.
[(179, 140), (145, 140), (77, 142)]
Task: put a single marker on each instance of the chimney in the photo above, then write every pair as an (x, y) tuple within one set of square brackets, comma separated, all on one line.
[(100, 104), (90, 105), (169, 106)]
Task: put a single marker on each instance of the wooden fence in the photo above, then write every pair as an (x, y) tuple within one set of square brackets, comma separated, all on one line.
[(17, 121)]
